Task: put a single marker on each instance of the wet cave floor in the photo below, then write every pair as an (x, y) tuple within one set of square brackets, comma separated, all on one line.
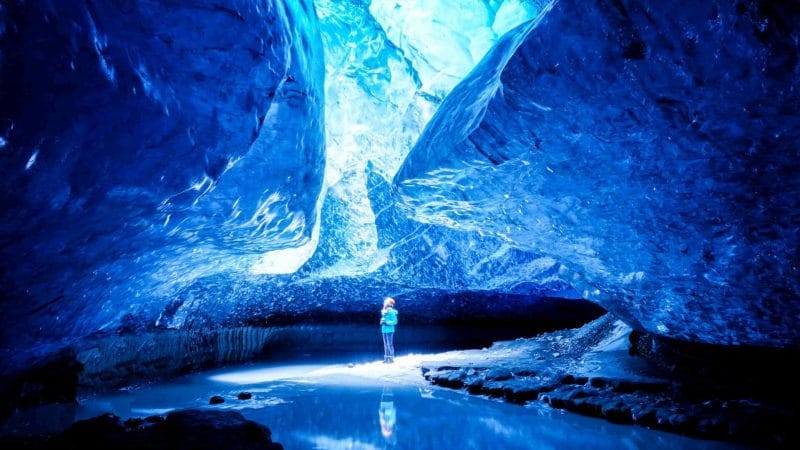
[(372, 405), (572, 388)]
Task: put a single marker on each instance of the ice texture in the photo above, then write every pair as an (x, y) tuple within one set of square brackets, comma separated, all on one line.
[(377, 104), (148, 144), (237, 162), (445, 39), (650, 147), (385, 77), (164, 165)]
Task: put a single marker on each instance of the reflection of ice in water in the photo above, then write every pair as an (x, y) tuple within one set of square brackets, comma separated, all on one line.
[(151, 411), (329, 443), (253, 403), (331, 411), (498, 427), (426, 393)]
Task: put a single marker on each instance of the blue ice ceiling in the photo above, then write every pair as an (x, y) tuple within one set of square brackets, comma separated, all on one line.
[(152, 150), (189, 165)]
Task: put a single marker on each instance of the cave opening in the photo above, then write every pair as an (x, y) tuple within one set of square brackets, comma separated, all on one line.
[(586, 213)]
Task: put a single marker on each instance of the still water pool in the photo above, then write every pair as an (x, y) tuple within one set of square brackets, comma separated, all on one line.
[(365, 411)]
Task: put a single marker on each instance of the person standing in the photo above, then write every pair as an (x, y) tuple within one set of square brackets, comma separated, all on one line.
[(388, 322)]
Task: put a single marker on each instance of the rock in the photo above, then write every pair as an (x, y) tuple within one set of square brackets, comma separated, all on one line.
[(52, 380), (622, 388), (216, 429), (682, 422), (517, 391), (498, 374), (133, 423), (585, 406), (244, 396), (567, 379), (617, 411), (475, 386), (627, 386), (714, 426), (644, 414), (216, 400), (184, 429), (453, 379), (493, 389)]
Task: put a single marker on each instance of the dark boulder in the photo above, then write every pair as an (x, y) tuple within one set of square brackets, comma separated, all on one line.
[(184, 429)]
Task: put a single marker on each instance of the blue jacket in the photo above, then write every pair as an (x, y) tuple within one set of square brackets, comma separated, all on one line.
[(388, 320)]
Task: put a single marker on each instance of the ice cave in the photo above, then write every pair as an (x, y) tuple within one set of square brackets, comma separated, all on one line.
[(405, 224)]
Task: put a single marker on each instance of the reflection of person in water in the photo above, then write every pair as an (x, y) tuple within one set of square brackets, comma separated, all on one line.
[(387, 415)]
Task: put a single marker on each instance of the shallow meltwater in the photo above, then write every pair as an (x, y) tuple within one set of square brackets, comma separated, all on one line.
[(375, 406)]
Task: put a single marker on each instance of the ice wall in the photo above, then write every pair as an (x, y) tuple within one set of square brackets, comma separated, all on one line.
[(144, 145), (650, 147)]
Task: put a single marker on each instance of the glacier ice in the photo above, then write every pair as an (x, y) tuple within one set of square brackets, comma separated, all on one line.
[(147, 144), (441, 274), (165, 166), (649, 147), (208, 165), (445, 39), (388, 66)]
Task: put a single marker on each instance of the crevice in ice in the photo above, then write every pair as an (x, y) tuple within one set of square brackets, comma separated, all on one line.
[(388, 67)]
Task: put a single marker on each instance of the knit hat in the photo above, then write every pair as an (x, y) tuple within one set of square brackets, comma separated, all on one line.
[(389, 300)]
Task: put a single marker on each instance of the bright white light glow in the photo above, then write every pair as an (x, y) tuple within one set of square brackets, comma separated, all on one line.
[(264, 374)]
